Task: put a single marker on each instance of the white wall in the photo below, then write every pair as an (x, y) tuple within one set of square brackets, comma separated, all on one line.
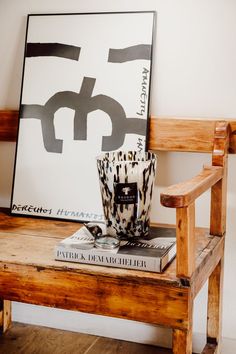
[(194, 75)]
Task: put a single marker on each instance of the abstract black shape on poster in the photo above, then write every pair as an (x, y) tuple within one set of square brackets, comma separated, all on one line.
[(83, 102)]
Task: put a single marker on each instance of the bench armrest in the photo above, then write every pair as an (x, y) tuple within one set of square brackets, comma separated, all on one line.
[(183, 194), (182, 197)]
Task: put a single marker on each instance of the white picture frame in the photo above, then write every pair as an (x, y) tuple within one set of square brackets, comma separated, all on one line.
[(85, 90)]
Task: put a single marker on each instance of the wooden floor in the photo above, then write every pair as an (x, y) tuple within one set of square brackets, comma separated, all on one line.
[(28, 339)]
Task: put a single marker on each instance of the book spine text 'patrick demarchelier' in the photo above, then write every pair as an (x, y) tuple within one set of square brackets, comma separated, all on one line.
[(108, 259)]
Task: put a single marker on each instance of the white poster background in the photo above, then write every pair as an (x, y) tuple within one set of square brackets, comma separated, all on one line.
[(65, 185)]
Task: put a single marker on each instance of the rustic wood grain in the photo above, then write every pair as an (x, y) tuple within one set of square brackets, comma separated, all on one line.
[(206, 262), (210, 349), (232, 136), (218, 191), (8, 125), (218, 227), (28, 339), (111, 346), (42, 227), (5, 315), (218, 206), (28, 267), (168, 134), (109, 296), (221, 143), (183, 194), (185, 239), (186, 134), (214, 307), (20, 235), (182, 341)]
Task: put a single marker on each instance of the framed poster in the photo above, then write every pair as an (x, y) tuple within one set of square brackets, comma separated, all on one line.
[(85, 90)]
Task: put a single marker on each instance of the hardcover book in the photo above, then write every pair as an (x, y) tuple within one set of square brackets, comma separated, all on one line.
[(152, 253)]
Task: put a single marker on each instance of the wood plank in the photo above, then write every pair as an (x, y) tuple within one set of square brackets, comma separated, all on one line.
[(218, 206), (182, 341), (25, 255), (232, 136), (8, 125), (206, 262), (210, 349), (183, 194), (111, 346), (185, 239), (168, 134), (218, 227), (30, 272), (219, 190), (186, 134), (214, 307), (221, 143), (136, 299), (32, 240), (41, 227), (28, 339), (5, 315)]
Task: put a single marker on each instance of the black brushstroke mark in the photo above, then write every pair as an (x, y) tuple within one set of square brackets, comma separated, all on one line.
[(136, 52), (52, 50), (83, 103)]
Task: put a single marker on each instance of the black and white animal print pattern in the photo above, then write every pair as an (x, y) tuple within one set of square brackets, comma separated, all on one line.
[(130, 174)]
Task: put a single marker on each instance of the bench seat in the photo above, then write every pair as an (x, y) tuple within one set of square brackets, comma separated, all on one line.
[(29, 273)]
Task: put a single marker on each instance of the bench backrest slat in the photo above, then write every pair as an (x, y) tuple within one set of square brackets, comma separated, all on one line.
[(167, 134)]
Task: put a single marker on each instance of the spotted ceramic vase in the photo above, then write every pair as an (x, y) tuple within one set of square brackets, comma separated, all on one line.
[(126, 183)]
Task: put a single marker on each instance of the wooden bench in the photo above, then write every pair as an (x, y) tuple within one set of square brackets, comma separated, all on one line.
[(29, 273)]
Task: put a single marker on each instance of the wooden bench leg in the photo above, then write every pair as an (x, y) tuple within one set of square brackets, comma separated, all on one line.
[(214, 309), (5, 315), (182, 341)]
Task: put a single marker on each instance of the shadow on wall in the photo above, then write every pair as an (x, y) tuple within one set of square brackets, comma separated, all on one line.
[(13, 88), (176, 167), (7, 156)]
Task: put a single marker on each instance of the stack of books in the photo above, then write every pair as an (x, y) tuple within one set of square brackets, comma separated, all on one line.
[(150, 253)]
